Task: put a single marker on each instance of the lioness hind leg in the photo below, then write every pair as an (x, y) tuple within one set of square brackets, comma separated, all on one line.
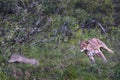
[(102, 56), (109, 50), (105, 47)]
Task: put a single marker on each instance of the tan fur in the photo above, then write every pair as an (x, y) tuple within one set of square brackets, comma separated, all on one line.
[(92, 47)]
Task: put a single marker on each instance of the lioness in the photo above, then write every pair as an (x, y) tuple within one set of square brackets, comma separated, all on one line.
[(92, 47)]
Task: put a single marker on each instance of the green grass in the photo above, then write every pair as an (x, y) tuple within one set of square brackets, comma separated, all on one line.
[(65, 62)]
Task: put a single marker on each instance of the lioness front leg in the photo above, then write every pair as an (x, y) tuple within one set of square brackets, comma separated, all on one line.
[(91, 58)]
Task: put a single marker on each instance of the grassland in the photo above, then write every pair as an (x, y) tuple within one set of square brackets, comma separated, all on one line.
[(66, 62)]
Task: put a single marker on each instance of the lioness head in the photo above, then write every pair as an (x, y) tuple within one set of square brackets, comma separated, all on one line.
[(83, 45)]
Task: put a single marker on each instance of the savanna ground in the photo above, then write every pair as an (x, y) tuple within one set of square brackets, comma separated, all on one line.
[(66, 62)]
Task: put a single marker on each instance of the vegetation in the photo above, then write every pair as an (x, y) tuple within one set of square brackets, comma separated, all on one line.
[(116, 4), (49, 31)]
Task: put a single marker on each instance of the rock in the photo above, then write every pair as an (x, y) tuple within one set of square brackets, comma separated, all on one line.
[(22, 59)]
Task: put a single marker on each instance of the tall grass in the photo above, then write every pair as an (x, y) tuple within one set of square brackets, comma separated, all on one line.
[(66, 62)]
